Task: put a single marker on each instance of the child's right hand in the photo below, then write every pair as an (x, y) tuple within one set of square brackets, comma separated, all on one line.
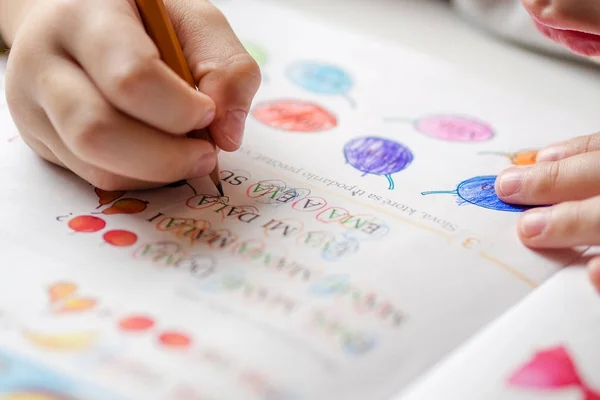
[(88, 91)]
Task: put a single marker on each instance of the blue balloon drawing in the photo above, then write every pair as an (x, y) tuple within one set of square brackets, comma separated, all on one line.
[(378, 156), (480, 192), (321, 78)]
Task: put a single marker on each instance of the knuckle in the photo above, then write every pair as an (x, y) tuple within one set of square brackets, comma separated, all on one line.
[(244, 71), (105, 180), (66, 9), (127, 78), (547, 180), (87, 129)]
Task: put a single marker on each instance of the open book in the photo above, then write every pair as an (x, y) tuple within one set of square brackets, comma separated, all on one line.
[(360, 241)]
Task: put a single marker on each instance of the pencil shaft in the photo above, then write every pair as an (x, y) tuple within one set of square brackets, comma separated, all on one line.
[(160, 29)]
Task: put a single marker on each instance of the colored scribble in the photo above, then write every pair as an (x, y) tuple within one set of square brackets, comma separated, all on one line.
[(295, 116), (551, 369), (378, 156), (63, 342), (257, 52), (76, 304), (105, 197), (451, 128), (87, 224), (480, 191), (60, 290), (321, 78), (175, 340), (126, 206), (28, 379), (525, 157), (136, 323), (120, 238)]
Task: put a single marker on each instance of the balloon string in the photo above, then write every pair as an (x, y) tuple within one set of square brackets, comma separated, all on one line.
[(350, 100), (391, 181), (439, 192)]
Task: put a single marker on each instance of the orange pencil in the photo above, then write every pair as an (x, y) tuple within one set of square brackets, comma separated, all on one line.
[(160, 29)]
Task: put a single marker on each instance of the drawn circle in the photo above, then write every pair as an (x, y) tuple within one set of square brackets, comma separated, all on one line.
[(320, 78), (120, 238), (295, 116), (175, 340), (454, 128), (87, 224), (480, 191), (136, 323), (378, 156)]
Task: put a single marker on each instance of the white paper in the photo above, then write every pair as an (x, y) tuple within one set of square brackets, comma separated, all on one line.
[(307, 289)]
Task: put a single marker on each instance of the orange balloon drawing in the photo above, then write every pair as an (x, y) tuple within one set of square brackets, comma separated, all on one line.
[(136, 323), (87, 223), (60, 290), (33, 394), (175, 340), (126, 206), (105, 197), (77, 304), (120, 238), (295, 115), (524, 158)]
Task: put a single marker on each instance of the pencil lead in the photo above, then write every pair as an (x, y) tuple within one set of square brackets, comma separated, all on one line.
[(220, 189)]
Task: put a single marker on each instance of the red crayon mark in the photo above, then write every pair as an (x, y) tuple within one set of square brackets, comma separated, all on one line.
[(551, 369), (120, 238), (136, 323), (175, 340), (87, 223), (126, 206), (295, 115)]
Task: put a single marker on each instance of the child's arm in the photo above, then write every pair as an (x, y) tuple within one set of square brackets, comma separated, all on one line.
[(88, 91)]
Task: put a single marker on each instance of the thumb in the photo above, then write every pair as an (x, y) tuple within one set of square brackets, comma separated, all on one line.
[(221, 66)]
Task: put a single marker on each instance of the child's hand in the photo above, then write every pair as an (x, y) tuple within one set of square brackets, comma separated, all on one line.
[(568, 176), (88, 91)]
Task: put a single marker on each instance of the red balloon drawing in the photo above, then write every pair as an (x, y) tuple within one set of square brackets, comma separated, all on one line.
[(136, 323), (175, 340), (120, 238), (87, 223), (295, 116)]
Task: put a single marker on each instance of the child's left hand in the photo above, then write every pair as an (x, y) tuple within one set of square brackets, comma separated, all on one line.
[(566, 175)]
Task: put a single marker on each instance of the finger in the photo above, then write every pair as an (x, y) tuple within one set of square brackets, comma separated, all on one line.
[(105, 138), (573, 178), (54, 150), (569, 148), (221, 65), (565, 225), (594, 271), (114, 49)]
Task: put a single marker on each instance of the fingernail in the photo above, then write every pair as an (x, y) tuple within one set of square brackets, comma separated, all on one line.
[(207, 119), (204, 165), (552, 153), (234, 126), (510, 181), (594, 272), (533, 223)]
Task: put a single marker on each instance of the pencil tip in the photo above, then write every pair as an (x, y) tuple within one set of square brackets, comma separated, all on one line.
[(220, 189)]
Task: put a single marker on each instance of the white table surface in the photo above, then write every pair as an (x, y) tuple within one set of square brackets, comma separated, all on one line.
[(432, 27)]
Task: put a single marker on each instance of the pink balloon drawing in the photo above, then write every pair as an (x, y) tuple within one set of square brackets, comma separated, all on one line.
[(551, 369), (451, 128)]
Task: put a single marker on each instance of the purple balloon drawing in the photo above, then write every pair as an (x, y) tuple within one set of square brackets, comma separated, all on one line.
[(378, 156)]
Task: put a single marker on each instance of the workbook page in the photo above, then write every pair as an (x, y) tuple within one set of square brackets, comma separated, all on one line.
[(359, 240)]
